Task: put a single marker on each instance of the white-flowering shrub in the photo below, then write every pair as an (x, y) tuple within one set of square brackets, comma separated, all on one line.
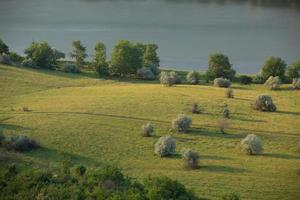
[(190, 159), (273, 83), (148, 129), (169, 78), (296, 83), (145, 74), (182, 123), (70, 68), (222, 82), (251, 145), (165, 146), (193, 77), (264, 103), (28, 63)]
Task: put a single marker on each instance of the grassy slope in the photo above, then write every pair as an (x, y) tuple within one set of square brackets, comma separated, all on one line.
[(98, 121)]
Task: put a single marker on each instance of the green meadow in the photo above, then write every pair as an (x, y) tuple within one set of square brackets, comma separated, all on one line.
[(96, 121)]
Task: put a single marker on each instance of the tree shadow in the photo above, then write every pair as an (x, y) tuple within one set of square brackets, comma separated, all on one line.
[(243, 99), (288, 112), (210, 133), (247, 120), (214, 157), (282, 156), (220, 168), (14, 127)]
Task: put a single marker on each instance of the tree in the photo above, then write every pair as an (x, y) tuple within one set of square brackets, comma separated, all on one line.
[(273, 66), (43, 55), (219, 66), (99, 59), (126, 59), (151, 59), (293, 70), (79, 53), (3, 48)]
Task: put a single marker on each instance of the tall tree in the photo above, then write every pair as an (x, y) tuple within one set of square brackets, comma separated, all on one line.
[(3, 48), (151, 59), (273, 66), (99, 59), (79, 53)]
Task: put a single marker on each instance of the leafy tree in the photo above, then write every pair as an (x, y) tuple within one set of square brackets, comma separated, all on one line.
[(126, 59), (99, 59), (79, 53), (293, 70), (151, 59), (3, 48), (43, 55), (273, 66), (219, 66)]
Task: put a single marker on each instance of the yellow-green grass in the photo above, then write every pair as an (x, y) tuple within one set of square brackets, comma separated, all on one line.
[(98, 121)]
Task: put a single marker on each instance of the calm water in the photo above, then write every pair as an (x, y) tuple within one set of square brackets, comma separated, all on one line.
[(186, 31)]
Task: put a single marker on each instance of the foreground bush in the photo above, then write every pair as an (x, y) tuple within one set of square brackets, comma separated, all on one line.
[(244, 79), (20, 143), (264, 103), (190, 159), (251, 145), (182, 123), (163, 188), (193, 77), (222, 82), (148, 130), (273, 83), (70, 68), (296, 83), (145, 74), (165, 146)]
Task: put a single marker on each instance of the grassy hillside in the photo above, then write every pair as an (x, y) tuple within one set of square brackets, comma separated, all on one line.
[(98, 121)]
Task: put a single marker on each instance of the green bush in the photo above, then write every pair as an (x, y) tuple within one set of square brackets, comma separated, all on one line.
[(293, 70), (20, 143), (244, 79), (222, 82), (3, 48), (190, 159), (145, 74), (251, 145), (70, 68), (165, 146), (258, 79), (273, 66), (273, 83), (264, 103), (219, 66), (296, 83), (148, 129), (193, 77), (182, 123)]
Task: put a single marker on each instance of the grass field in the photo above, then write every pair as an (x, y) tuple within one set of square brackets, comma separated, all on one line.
[(94, 121)]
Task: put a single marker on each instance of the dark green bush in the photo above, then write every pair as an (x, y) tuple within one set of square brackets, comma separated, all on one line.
[(145, 74), (244, 79), (20, 143), (70, 68)]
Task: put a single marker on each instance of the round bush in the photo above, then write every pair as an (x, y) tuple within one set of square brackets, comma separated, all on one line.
[(193, 77), (273, 83), (148, 130), (251, 145), (70, 68), (182, 123), (296, 83), (190, 159), (222, 82), (145, 74), (21, 143), (244, 79), (165, 146), (264, 103)]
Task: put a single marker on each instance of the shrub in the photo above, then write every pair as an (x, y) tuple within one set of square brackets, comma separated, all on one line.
[(296, 83), (258, 79), (16, 58), (21, 143), (5, 59), (219, 66), (273, 66), (251, 145), (168, 78), (145, 74), (229, 93), (70, 68), (165, 146), (28, 63), (223, 124), (164, 188), (293, 71), (226, 112), (3, 48), (182, 123), (273, 83), (193, 77), (264, 103), (148, 129), (190, 159), (195, 108), (244, 79), (222, 82)]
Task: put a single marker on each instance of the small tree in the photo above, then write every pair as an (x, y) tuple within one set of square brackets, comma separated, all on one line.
[(219, 66), (229, 93), (3, 48), (151, 59), (148, 129), (293, 70), (264, 103), (193, 77), (165, 146), (190, 159), (99, 59), (273, 66), (251, 145), (273, 83), (182, 123), (79, 53)]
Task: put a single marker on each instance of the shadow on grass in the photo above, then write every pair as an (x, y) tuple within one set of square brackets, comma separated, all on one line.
[(14, 127), (210, 133), (213, 157), (247, 120), (282, 156), (219, 168), (288, 112)]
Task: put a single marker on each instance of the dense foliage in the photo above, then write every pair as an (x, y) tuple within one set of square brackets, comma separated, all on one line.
[(293, 70), (3, 48), (222, 82), (219, 66), (244, 79), (273, 66), (168, 78), (99, 59), (193, 77), (79, 53)]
